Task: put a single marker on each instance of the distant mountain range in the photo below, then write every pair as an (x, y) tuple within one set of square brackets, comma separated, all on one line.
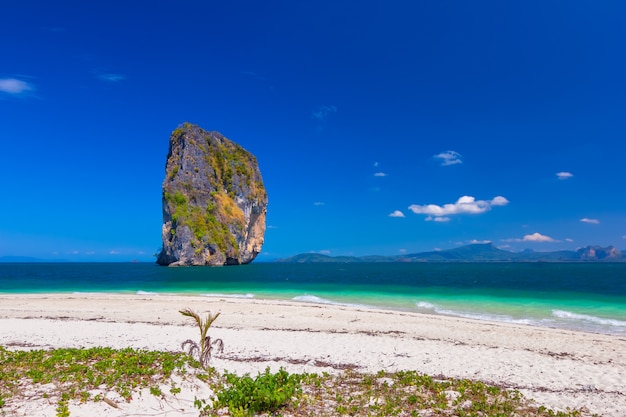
[(29, 260), (20, 259), (479, 252)]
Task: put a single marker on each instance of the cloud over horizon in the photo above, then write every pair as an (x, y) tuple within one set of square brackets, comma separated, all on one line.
[(563, 175), (590, 221), (437, 219), (110, 77), (323, 112), (449, 158), (538, 237), (464, 205), (535, 237), (14, 86)]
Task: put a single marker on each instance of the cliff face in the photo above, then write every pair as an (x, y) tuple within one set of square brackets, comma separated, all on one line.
[(214, 201), (598, 253)]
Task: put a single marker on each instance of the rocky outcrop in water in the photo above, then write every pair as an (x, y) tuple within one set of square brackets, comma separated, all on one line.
[(214, 201)]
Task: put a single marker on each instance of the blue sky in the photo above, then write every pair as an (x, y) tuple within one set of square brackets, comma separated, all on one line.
[(380, 127)]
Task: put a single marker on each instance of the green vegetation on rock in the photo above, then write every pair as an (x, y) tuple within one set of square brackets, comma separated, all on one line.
[(213, 187)]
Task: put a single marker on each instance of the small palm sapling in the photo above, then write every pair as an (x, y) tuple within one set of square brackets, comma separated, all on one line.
[(202, 351)]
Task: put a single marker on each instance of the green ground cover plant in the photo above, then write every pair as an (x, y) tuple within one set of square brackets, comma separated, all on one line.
[(409, 393), (267, 393), (68, 374), (64, 375)]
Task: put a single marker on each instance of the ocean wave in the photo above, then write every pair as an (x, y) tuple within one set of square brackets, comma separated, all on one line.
[(319, 300), (424, 305), (140, 292), (248, 295), (89, 292), (558, 318), (568, 315)]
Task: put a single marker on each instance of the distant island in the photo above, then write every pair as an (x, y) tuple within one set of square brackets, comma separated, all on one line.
[(478, 252)]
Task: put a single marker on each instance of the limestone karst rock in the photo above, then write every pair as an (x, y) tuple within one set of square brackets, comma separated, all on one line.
[(214, 201), (598, 253)]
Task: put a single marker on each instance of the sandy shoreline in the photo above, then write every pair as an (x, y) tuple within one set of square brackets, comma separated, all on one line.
[(558, 368)]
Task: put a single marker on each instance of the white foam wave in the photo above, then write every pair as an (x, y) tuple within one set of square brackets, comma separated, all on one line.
[(558, 318), (88, 293), (248, 295), (319, 300), (312, 299), (424, 305), (568, 315), (140, 292)]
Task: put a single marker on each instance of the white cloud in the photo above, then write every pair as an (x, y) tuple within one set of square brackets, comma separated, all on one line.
[(380, 174), (319, 203), (538, 237), (114, 252), (253, 74), (465, 204), (499, 201), (323, 252), (437, 219), (563, 175), (590, 221), (449, 158), (569, 240), (475, 241), (397, 213), (14, 86), (113, 78), (323, 112), (402, 250), (535, 237)]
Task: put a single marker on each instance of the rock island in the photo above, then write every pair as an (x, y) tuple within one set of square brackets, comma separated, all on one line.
[(214, 201)]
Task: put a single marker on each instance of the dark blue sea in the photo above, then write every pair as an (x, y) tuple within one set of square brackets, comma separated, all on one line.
[(580, 296)]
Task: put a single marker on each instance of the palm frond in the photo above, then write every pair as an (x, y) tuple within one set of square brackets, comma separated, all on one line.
[(190, 313), (190, 347), (220, 345), (203, 350)]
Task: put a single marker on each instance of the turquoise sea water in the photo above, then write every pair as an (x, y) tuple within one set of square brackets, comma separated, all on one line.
[(581, 296)]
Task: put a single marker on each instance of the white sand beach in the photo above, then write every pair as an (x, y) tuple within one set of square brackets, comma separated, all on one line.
[(557, 368)]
